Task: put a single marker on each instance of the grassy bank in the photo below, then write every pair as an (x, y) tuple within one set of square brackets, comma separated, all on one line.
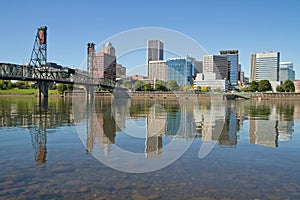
[(16, 91)]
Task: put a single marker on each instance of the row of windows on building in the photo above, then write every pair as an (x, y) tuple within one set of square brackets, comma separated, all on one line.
[(267, 66), (221, 70), (224, 67), (104, 64)]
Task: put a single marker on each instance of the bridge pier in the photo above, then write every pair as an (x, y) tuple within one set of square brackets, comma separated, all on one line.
[(90, 92), (43, 87)]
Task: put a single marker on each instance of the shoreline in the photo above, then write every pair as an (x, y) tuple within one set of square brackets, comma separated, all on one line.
[(173, 96)]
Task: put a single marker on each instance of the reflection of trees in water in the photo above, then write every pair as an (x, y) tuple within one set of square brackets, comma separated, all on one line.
[(271, 121), (286, 110), (25, 111), (260, 110)]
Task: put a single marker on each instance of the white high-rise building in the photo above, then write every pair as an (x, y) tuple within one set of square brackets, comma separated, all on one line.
[(155, 52), (214, 73), (265, 66), (157, 70)]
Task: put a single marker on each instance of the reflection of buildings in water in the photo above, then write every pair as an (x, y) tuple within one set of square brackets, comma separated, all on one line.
[(297, 112), (120, 111), (286, 114), (173, 122), (228, 135), (285, 130), (275, 127), (209, 119), (153, 146), (156, 127), (263, 132), (102, 130), (180, 122)]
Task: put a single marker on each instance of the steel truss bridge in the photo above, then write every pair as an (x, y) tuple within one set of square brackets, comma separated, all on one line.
[(64, 75), (46, 73)]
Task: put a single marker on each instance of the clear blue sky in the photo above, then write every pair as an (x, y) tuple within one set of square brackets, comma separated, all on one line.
[(249, 26)]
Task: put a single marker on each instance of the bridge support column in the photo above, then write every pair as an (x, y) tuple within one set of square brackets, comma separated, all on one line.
[(43, 89), (90, 92)]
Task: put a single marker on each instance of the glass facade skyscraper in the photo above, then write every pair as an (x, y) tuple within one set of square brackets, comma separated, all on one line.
[(286, 72), (216, 65), (181, 70), (155, 50), (233, 65)]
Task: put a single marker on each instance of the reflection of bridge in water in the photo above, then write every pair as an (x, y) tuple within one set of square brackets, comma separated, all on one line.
[(46, 73), (24, 112), (268, 122)]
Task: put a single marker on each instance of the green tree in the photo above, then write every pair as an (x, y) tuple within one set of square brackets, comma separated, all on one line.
[(253, 86), (288, 86), (172, 85), (9, 85), (147, 87), (70, 87), (127, 84), (198, 88), (21, 85), (2, 85), (61, 88), (160, 86), (52, 87), (264, 85), (5, 85), (279, 88), (137, 86)]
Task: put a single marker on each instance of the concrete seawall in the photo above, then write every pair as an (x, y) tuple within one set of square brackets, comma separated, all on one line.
[(188, 95), (267, 96)]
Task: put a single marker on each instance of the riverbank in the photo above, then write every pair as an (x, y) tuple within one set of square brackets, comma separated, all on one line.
[(33, 92), (140, 95)]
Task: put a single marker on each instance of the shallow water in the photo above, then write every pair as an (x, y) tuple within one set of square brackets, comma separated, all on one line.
[(52, 151)]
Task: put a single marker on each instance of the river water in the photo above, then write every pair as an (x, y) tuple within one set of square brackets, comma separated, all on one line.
[(126, 149)]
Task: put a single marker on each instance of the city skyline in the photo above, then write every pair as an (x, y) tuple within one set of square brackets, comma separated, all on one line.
[(75, 25)]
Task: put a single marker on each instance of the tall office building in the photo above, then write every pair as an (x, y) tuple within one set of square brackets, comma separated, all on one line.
[(265, 66), (155, 50), (215, 66), (198, 67), (252, 67), (180, 70), (214, 73), (109, 49), (286, 72), (157, 70), (233, 65), (101, 64), (120, 71)]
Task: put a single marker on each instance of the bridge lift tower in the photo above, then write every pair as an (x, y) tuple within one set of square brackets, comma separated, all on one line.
[(90, 69), (38, 59)]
